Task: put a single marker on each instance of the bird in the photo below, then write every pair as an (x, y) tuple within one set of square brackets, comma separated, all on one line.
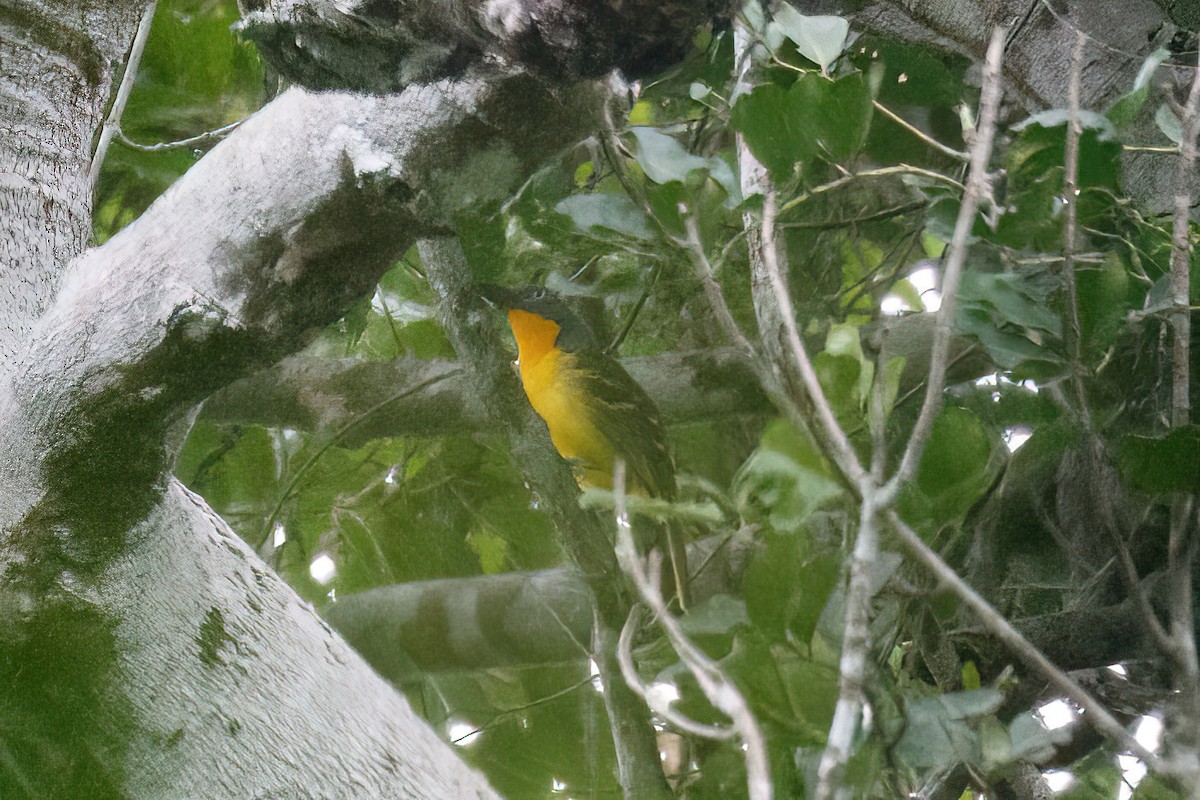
[(595, 411)]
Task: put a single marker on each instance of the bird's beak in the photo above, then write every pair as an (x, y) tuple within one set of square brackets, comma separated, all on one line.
[(495, 296)]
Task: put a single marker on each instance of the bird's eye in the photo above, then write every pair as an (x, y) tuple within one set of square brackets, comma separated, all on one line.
[(538, 294)]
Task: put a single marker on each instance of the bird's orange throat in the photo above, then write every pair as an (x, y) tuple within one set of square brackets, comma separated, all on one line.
[(535, 336)]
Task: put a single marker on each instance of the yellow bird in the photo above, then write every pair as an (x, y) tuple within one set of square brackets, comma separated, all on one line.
[(594, 410)]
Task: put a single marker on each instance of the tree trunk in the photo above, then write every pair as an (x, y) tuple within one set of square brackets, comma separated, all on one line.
[(149, 653)]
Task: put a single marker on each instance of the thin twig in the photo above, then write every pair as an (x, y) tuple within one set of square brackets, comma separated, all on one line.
[(958, 155), (615, 344), (1180, 257), (1142, 599), (521, 709), (882, 172), (1149, 148), (712, 680), (1071, 196), (337, 437), (981, 151), (887, 213), (112, 123), (656, 703), (1181, 545), (712, 289), (1096, 714), (191, 141), (852, 666)]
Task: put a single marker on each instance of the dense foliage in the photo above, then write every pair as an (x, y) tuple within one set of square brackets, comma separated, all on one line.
[(866, 210)]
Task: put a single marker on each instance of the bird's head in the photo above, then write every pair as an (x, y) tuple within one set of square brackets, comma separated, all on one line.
[(536, 313)]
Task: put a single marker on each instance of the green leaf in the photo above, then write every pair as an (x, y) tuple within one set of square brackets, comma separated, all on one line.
[(773, 128), (642, 113), (841, 377), (491, 549), (663, 158), (584, 173), (918, 76), (970, 676), (1169, 123), (812, 691), (786, 588), (712, 623), (1162, 464), (1151, 788), (839, 112), (816, 116), (820, 39), (614, 212), (955, 468), (1053, 117), (1032, 742), (1106, 295), (1013, 297), (786, 477), (1149, 67), (1125, 110), (995, 745), (939, 733)]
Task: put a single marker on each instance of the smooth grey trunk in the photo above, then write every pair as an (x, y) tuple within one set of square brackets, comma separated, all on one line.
[(145, 650), (58, 60)]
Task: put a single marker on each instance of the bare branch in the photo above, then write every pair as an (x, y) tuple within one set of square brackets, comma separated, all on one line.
[(981, 151), (658, 704), (214, 135), (1182, 541), (1071, 198), (882, 172), (1096, 714), (716, 685), (1181, 249), (1142, 598), (957, 155), (852, 666), (112, 124)]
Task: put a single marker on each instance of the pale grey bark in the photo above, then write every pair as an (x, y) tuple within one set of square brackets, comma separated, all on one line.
[(1120, 34), (193, 671), (238, 689), (414, 397), (509, 619), (208, 676), (46, 129)]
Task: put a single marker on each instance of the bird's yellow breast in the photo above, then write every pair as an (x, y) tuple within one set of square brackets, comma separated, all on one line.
[(560, 400)]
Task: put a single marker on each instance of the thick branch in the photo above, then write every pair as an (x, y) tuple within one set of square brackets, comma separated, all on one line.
[(364, 44), (228, 674), (512, 619), (325, 190), (315, 394)]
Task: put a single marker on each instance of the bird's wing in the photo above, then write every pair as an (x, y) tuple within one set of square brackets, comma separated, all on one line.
[(628, 418)]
